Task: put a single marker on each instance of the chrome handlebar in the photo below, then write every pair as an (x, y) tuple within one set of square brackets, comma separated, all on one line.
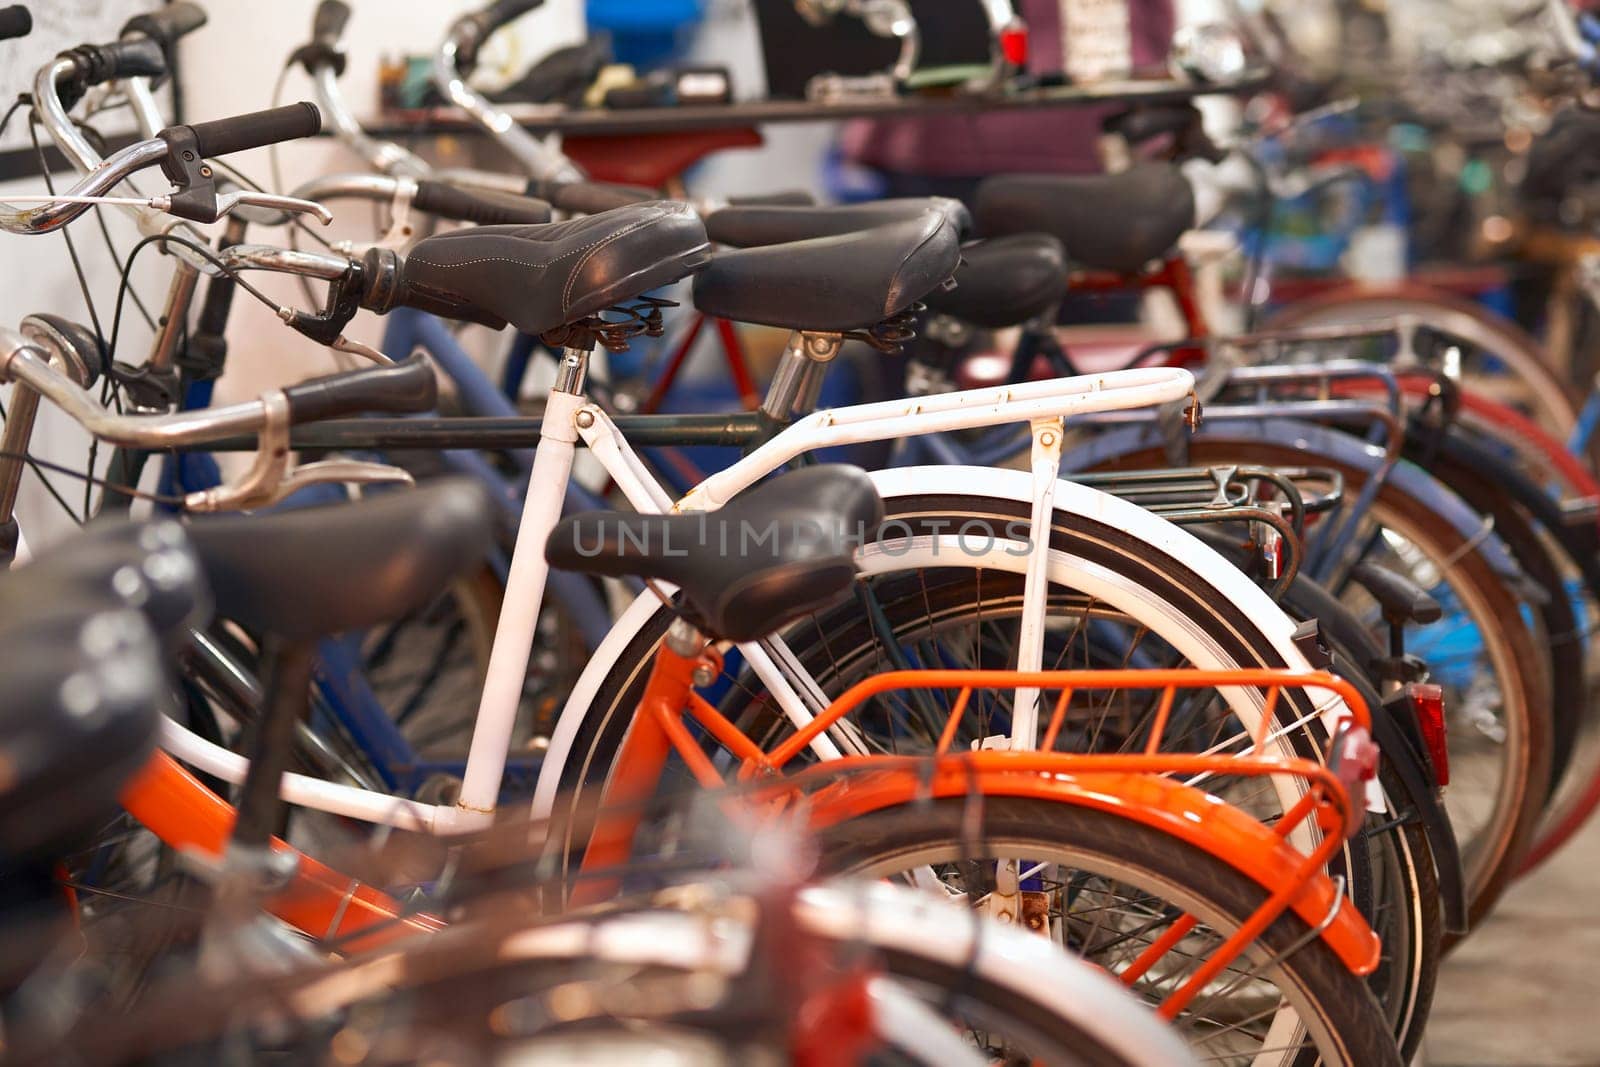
[(385, 156), (318, 265), (100, 178), (537, 157), (23, 363)]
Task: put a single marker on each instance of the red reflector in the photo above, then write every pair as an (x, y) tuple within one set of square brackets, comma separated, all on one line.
[(1428, 702), (1014, 43)]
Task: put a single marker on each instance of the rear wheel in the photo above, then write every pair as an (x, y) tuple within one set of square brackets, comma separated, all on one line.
[(1496, 676), (917, 610), (1113, 887)]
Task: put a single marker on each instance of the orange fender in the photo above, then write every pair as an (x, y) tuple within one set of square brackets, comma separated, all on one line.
[(1189, 814)]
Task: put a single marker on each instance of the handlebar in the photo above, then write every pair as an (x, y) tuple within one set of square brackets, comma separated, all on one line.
[(327, 25), (471, 31), (403, 388), (210, 138), (589, 198), (460, 47), (456, 201), (96, 64), (324, 61), (15, 21), (165, 27), (484, 207)]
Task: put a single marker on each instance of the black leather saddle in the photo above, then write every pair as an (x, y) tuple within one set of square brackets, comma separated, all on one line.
[(752, 225), (774, 554), (1115, 222), (540, 277), (314, 571), (84, 678), (832, 284), (1005, 281)]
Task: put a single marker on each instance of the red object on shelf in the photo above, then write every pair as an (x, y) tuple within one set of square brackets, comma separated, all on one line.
[(653, 159), (1014, 43)]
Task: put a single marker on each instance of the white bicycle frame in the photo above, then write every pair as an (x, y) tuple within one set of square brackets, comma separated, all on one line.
[(569, 418)]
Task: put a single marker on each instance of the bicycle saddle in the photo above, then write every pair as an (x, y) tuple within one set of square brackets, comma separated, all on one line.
[(1115, 222), (149, 566), (1005, 281), (309, 572), (775, 553), (540, 277), (85, 682), (832, 284), (752, 225)]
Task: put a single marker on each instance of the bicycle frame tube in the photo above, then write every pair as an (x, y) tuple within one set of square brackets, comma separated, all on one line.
[(568, 417), (319, 901)]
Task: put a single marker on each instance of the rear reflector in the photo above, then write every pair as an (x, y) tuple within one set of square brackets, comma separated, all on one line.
[(1428, 702)]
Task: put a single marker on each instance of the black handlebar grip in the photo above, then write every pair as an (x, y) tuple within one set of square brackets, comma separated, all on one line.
[(257, 129), (474, 29), (15, 22), (590, 198), (786, 198), (167, 24), (484, 207), (96, 64), (328, 24), (405, 388), (501, 12)]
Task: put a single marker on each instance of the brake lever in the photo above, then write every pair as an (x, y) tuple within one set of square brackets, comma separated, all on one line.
[(270, 479), (226, 202)]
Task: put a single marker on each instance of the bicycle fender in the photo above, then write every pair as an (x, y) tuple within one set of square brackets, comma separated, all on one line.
[(1419, 795), (1189, 814)]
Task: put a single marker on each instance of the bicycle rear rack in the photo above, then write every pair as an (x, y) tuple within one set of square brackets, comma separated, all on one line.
[(1151, 784)]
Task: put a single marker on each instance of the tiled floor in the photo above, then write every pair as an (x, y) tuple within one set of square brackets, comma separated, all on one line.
[(1524, 991)]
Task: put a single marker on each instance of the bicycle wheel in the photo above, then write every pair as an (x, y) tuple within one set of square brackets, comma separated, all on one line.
[(1111, 559), (944, 606), (1114, 887), (1494, 352), (1393, 879), (1405, 903), (689, 975), (1500, 723), (1487, 482)]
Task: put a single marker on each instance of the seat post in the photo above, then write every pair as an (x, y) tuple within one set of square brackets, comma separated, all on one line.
[(798, 380), (573, 369)]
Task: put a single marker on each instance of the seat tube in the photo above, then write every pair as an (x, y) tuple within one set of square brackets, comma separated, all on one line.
[(524, 592), (645, 751)]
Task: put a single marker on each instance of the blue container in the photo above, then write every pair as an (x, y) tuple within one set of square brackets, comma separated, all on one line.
[(645, 33)]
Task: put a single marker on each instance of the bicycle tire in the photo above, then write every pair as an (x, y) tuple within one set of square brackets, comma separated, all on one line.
[(1503, 339), (1107, 546), (1348, 1022), (1491, 865)]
